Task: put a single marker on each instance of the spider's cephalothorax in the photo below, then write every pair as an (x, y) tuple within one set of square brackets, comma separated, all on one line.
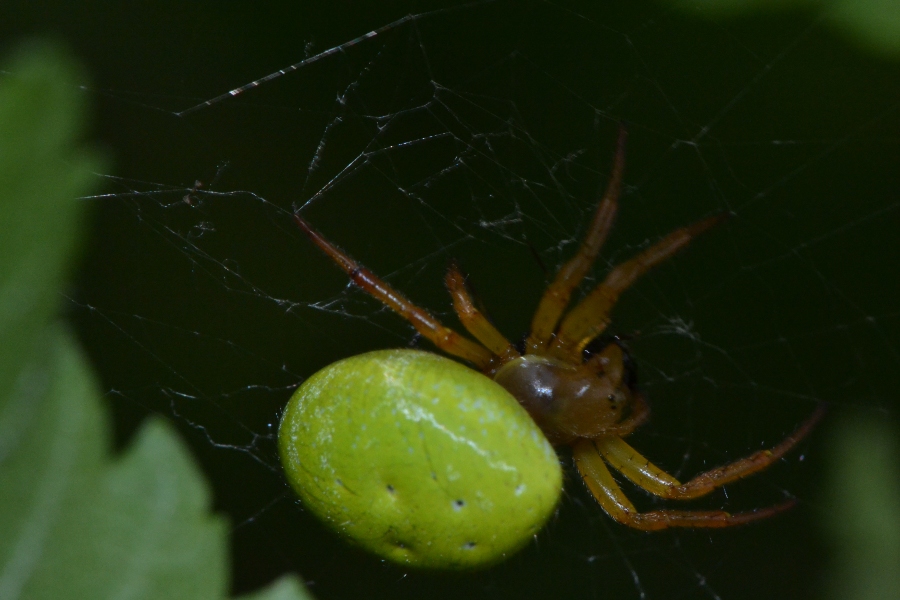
[(588, 403), (574, 401)]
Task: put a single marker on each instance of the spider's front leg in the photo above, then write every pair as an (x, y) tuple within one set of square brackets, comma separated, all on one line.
[(557, 295), (613, 500), (648, 476), (590, 317)]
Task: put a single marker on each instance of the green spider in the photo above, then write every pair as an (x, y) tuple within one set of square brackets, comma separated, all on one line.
[(346, 446)]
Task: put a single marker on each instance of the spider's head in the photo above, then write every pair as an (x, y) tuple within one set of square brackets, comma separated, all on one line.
[(570, 401), (599, 345)]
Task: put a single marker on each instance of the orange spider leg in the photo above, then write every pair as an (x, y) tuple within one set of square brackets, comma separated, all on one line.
[(557, 295), (645, 474), (591, 316), (443, 337), (474, 321), (613, 500)]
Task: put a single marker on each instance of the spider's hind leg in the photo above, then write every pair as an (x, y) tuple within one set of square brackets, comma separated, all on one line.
[(474, 320), (429, 327)]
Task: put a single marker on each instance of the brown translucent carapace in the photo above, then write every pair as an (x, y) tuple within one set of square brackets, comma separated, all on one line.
[(581, 399)]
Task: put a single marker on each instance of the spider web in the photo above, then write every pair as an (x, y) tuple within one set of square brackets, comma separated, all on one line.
[(482, 132)]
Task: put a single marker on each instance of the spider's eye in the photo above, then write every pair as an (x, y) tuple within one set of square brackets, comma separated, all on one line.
[(617, 399)]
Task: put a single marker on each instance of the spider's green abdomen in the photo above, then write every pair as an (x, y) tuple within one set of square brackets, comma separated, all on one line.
[(419, 459)]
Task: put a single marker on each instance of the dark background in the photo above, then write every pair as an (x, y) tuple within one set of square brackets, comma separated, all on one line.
[(208, 312)]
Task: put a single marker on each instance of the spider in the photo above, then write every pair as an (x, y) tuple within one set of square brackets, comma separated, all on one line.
[(581, 399)]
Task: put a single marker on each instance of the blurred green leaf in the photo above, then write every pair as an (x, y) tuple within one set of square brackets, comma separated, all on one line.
[(41, 172), (864, 511), (874, 24), (75, 522), (286, 588)]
